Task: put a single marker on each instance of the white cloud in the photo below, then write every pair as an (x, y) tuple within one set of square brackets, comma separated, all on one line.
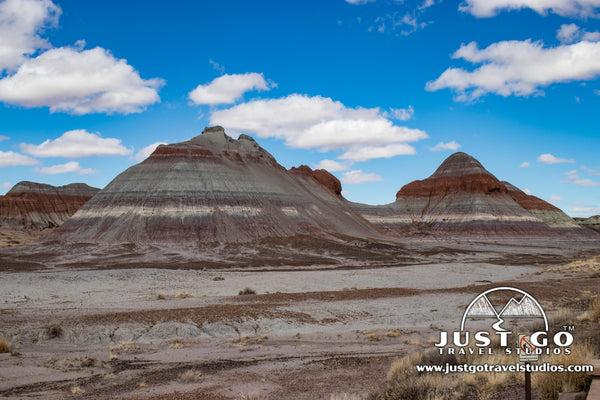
[(227, 89), (364, 153), (402, 114), (20, 23), (360, 1), (524, 164), (71, 166), (519, 68), (527, 191), (570, 33), (586, 211), (217, 67), (331, 166), (573, 177), (319, 123), (2, 137), (357, 176), (567, 8), (441, 146), (403, 24), (555, 199), (146, 151), (550, 159), (5, 186), (80, 82), (75, 144), (12, 159)]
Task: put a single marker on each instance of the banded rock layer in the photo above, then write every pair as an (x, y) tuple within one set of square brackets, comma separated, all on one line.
[(592, 222), (463, 199), (33, 205), (213, 188)]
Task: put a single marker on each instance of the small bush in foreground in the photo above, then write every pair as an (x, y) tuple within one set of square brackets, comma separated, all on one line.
[(53, 331), (246, 291), (161, 296), (190, 376), (4, 345), (184, 295)]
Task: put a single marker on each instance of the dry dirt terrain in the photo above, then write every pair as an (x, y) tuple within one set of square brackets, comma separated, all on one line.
[(171, 329)]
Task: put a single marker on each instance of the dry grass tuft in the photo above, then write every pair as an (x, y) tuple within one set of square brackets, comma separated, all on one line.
[(246, 291), (178, 344), (4, 345), (374, 337), (127, 347), (161, 296), (589, 265), (218, 278), (247, 340), (184, 295), (549, 384), (190, 376), (77, 390)]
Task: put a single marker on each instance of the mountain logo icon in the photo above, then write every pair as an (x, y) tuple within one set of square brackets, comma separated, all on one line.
[(520, 305)]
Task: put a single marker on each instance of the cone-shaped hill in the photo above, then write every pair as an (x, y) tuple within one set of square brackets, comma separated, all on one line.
[(213, 188), (462, 198), (31, 205)]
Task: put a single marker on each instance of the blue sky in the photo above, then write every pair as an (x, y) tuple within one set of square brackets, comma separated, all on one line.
[(379, 92)]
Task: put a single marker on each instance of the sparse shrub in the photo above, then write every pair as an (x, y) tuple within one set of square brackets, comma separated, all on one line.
[(161, 296), (113, 357), (218, 278), (549, 384), (246, 291), (177, 344), (374, 337), (54, 331), (190, 376), (4, 345), (247, 340), (77, 390), (184, 295), (126, 347)]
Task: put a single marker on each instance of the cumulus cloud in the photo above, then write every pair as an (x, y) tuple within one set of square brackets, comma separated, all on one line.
[(527, 191), (66, 79), (12, 159), (402, 114), (2, 137), (524, 164), (80, 82), (550, 159), (5, 186), (441, 146), (570, 33), (357, 176), (360, 1), (20, 23), (565, 8), (586, 211), (555, 199), (76, 144), (71, 166), (364, 153), (320, 123), (331, 166), (575, 179), (227, 89), (145, 152), (519, 68)]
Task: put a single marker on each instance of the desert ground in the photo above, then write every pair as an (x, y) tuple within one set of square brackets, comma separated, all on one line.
[(159, 326)]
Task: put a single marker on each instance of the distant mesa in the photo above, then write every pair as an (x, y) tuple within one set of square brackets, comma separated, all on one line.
[(214, 188), (592, 222), (37, 206), (463, 199)]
